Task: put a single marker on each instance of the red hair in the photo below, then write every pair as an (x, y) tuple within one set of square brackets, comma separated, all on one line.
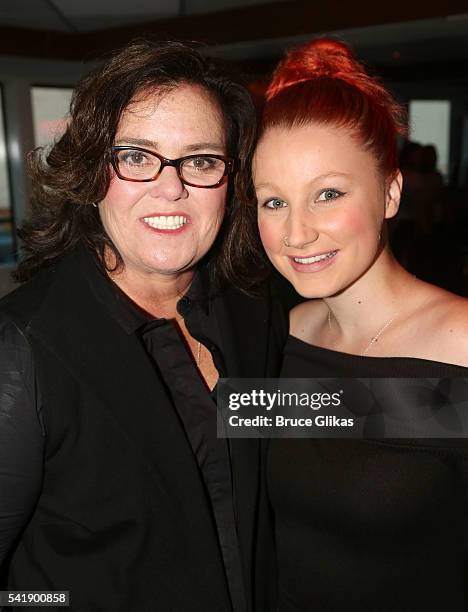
[(322, 82)]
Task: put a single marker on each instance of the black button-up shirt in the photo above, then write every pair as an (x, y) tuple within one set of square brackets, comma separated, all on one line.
[(23, 435)]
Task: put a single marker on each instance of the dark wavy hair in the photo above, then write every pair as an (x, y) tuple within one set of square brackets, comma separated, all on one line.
[(75, 173)]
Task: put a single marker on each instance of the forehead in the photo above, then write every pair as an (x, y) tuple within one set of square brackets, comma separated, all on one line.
[(311, 148), (183, 113)]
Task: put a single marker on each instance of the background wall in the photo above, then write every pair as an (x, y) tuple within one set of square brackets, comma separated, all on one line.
[(421, 52)]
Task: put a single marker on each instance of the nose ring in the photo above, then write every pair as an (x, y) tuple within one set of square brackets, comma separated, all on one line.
[(299, 246)]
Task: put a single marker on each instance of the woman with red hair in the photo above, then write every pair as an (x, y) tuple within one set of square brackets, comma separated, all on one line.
[(379, 525)]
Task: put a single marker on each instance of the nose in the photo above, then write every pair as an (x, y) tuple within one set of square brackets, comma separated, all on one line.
[(300, 229), (168, 185)]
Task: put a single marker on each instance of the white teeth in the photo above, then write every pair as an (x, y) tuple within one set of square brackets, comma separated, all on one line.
[(309, 260), (171, 222)]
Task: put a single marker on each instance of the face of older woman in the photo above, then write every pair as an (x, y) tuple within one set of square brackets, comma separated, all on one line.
[(164, 227)]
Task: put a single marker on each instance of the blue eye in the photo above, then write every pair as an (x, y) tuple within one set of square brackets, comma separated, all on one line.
[(274, 204), (329, 194)]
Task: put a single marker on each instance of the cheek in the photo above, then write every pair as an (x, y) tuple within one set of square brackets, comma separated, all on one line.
[(115, 190), (119, 199), (270, 234), (213, 209), (352, 223)]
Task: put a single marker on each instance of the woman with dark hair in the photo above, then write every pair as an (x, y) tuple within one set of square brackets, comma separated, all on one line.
[(360, 524), (113, 484)]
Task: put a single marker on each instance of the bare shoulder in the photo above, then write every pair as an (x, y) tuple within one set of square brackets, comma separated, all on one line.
[(306, 318), (454, 319), (447, 327)]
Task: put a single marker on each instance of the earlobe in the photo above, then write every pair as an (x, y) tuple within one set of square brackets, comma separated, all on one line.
[(393, 195)]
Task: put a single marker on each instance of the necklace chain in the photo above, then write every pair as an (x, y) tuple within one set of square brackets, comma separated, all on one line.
[(377, 335), (381, 330)]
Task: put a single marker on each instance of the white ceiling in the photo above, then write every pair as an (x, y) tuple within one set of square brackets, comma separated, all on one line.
[(87, 15)]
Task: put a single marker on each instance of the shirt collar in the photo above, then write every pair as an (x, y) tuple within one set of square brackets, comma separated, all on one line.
[(121, 308)]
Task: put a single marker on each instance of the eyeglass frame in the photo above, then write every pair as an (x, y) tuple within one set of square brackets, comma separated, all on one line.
[(229, 165)]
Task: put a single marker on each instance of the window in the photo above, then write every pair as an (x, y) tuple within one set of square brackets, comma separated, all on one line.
[(7, 241), (429, 122), (50, 107)]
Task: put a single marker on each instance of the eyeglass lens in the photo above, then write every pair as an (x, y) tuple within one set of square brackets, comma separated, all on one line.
[(197, 169)]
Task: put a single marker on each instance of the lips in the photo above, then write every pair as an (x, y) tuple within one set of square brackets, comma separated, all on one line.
[(166, 222), (315, 258), (313, 263)]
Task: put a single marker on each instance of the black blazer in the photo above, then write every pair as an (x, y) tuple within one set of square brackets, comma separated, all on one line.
[(123, 520)]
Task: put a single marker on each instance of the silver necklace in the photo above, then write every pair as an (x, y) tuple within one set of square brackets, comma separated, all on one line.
[(381, 330), (374, 339)]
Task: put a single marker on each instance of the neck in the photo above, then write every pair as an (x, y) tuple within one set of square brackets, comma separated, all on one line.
[(155, 293), (363, 308)]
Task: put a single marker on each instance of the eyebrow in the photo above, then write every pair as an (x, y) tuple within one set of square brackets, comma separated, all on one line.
[(326, 175), (151, 144), (331, 175)]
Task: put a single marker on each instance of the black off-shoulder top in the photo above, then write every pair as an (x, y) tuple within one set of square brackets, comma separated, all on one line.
[(375, 526)]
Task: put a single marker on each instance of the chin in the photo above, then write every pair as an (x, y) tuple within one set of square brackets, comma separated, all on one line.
[(169, 268), (313, 290), (311, 294)]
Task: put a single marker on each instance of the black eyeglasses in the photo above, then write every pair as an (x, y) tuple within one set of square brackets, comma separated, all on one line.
[(140, 165)]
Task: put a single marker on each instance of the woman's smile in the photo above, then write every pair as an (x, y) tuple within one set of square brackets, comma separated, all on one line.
[(164, 226), (313, 263), (321, 206), (173, 223)]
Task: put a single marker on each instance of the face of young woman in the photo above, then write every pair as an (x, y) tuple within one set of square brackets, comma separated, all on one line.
[(164, 227), (321, 206)]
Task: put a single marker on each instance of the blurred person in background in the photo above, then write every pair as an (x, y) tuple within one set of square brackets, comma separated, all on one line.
[(424, 236)]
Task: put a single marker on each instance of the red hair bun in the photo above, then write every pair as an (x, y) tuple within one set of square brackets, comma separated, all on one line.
[(317, 59), (323, 82)]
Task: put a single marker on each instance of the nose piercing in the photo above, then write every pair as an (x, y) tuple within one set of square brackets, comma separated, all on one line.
[(299, 246)]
